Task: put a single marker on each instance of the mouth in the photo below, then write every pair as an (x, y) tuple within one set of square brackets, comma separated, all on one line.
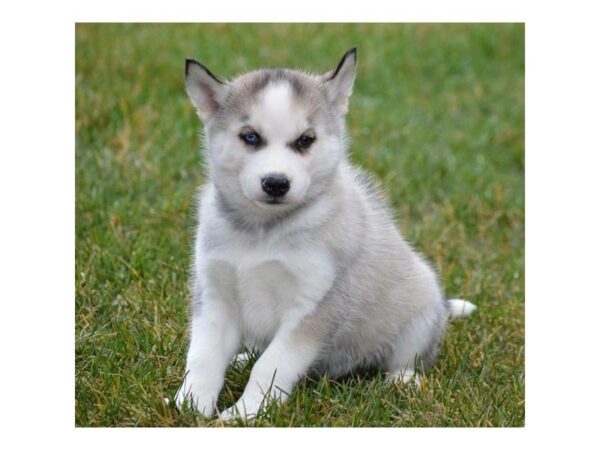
[(270, 202)]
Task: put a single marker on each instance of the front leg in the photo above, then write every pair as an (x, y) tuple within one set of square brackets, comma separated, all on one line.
[(274, 375), (215, 338), (299, 339)]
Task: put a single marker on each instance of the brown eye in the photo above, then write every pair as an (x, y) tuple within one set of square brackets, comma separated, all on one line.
[(304, 141)]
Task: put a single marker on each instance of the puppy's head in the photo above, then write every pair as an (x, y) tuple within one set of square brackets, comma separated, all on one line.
[(274, 137)]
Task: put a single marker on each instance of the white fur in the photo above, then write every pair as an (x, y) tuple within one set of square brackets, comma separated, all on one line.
[(460, 308), (407, 376), (333, 283), (281, 120), (274, 288), (212, 341), (271, 380)]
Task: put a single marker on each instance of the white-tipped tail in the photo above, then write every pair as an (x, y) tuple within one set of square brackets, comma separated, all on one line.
[(460, 308)]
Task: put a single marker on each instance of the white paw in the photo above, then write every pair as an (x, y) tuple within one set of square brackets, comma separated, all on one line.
[(229, 414), (241, 410), (198, 399), (407, 376)]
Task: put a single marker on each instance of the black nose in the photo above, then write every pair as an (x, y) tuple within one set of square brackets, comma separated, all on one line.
[(276, 185)]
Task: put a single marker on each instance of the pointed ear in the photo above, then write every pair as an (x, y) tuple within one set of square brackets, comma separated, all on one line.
[(205, 90), (339, 82)]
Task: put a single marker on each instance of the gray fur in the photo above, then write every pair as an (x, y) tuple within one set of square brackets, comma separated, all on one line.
[(372, 298), (328, 267), (244, 89)]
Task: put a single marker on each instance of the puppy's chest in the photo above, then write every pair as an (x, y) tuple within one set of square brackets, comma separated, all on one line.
[(267, 287)]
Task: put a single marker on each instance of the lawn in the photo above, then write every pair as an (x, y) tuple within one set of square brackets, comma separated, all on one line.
[(437, 115)]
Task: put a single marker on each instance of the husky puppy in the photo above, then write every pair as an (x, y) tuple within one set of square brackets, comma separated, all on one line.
[(296, 254)]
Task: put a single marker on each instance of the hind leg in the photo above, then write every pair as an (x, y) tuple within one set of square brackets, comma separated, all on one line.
[(417, 346)]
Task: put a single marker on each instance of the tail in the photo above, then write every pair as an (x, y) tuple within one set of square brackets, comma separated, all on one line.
[(460, 308)]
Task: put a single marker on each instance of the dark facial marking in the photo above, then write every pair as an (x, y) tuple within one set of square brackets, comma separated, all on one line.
[(304, 141), (251, 138)]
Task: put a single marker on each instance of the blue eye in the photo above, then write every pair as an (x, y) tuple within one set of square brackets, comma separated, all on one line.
[(251, 138)]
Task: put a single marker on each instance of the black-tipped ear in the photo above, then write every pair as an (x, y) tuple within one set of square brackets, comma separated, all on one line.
[(339, 82), (205, 90)]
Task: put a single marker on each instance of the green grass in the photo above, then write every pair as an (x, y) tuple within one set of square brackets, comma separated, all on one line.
[(437, 116)]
